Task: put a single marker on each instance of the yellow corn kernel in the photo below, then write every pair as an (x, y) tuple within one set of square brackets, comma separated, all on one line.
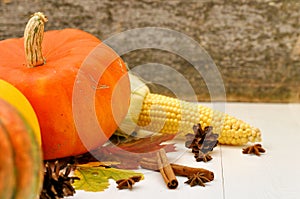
[(169, 115)]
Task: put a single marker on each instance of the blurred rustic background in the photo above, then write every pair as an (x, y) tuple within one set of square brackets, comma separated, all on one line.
[(253, 43)]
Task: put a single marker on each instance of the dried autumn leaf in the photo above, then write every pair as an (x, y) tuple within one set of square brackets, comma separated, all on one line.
[(89, 181), (148, 144), (129, 154), (95, 178)]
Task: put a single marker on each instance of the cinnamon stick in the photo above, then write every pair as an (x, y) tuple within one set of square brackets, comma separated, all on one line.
[(179, 170), (149, 163), (166, 170)]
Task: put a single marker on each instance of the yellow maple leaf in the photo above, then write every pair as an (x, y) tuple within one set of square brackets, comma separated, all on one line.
[(94, 176)]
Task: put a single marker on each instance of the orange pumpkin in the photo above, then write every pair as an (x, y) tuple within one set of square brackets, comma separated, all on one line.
[(45, 71), (21, 163)]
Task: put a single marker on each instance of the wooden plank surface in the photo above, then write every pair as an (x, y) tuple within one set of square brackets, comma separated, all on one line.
[(273, 175)]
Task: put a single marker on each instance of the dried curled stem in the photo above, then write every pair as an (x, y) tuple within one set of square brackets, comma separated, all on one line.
[(33, 37)]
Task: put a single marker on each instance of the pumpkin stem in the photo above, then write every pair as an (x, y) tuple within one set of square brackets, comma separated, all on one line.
[(33, 37)]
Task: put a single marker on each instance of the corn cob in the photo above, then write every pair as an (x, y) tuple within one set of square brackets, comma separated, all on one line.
[(167, 115)]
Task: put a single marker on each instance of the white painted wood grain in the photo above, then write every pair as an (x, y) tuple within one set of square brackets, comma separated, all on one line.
[(273, 175)]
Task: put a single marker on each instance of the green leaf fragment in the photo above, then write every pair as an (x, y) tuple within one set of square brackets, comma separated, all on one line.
[(95, 179)]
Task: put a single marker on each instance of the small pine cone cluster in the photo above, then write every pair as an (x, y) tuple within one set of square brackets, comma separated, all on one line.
[(202, 142)]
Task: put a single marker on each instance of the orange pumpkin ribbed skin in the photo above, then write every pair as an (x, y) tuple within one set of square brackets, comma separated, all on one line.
[(49, 88), (25, 154), (7, 176)]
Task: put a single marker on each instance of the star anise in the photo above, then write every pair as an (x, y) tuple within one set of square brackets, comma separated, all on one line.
[(128, 183), (254, 149), (57, 184), (202, 142), (197, 179)]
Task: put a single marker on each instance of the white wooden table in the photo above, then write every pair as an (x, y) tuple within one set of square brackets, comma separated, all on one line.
[(275, 174)]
